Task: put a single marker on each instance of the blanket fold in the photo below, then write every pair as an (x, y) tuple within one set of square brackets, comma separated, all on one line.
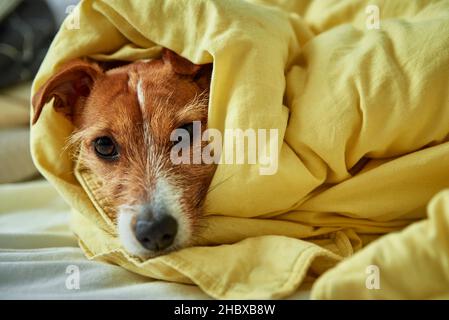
[(362, 116)]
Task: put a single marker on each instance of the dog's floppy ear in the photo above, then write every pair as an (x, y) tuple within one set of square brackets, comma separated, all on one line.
[(179, 64), (70, 84), (201, 74)]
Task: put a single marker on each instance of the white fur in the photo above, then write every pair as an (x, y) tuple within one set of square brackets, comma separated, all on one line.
[(140, 95), (165, 194), (127, 238), (171, 195)]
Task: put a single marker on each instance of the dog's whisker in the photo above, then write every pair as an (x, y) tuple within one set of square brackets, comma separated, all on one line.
[(212, 188)]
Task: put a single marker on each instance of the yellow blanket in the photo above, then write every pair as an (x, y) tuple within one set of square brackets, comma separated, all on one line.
[(340, 92)]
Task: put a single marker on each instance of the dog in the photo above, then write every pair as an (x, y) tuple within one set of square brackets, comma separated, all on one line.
[(123, 119)]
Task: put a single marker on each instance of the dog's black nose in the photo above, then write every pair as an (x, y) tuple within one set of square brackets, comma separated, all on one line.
[(156, 234)]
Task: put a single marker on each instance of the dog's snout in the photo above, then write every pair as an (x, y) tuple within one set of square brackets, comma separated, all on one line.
[(156, 234)]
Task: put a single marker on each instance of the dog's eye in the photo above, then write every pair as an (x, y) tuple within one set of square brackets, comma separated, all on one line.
[(105, 148), (189, 128)]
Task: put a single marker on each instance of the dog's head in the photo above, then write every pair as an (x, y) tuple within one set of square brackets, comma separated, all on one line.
[(123, 119)]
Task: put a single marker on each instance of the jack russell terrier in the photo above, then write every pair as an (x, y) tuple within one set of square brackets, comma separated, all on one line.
[(123, 119)]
